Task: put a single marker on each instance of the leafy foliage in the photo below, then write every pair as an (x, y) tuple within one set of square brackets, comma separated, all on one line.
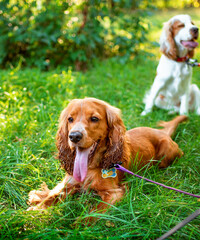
[(52, 32)]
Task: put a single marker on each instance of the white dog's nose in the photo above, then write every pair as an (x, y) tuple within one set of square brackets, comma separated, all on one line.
[(195, 32)]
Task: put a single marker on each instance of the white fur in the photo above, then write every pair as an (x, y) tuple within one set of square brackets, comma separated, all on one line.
[(172, 89)]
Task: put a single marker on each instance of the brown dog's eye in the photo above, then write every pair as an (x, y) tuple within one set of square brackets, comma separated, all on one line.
[(94, 119), (70, 119)]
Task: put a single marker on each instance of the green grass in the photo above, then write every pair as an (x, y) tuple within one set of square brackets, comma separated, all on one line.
[(31, 102)]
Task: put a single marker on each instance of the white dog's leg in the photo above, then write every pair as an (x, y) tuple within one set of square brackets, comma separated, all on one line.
[(184, 104), (194, 103), (157, 86)]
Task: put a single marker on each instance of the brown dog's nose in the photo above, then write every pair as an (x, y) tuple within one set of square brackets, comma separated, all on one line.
[(75, 136)]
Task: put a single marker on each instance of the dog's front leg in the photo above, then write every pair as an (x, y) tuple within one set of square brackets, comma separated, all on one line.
[(109, 197), (194, 102), (184, 104), (157, 86), (41, 199)]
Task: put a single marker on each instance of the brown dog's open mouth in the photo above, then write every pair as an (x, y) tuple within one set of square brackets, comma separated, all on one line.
[(189, 44), (81, 162)]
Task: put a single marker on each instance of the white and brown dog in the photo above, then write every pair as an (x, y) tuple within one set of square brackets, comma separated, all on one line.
[(172, 89)]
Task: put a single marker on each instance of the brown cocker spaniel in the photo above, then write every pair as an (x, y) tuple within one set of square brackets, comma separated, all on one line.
[(91, 137)]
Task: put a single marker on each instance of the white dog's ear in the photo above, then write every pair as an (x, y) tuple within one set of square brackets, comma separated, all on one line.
[(167, 43), (191, 53)]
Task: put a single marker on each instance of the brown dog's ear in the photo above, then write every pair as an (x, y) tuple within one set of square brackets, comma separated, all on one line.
[(167, 43), (116, 138), (65, 154)]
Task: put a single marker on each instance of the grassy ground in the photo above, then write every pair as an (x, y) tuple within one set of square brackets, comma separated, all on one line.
[(31, 102)]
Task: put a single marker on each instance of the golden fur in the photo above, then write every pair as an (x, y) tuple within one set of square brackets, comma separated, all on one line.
[(112, 144)]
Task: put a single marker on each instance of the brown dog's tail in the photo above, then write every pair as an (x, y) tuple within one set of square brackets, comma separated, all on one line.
[(170, 127)]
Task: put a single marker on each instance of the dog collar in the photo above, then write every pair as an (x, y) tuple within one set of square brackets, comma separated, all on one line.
[(182, 59)]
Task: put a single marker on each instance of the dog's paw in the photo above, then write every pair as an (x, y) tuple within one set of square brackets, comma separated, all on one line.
[(145, 112), (198, 111), (172, 112), (35, 208), (183, 112)]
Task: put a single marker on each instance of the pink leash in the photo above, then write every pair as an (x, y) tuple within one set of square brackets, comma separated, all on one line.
[(119, 167)]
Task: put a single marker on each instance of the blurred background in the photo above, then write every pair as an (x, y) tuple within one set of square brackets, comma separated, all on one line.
[(48, 33)]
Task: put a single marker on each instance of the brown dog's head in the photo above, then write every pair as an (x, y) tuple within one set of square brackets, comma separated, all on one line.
[(91, 133)]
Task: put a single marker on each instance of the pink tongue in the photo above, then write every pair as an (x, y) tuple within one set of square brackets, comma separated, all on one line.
[(81, 164), (190, 44)]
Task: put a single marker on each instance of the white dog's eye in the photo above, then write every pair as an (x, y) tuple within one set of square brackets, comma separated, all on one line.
[(181, 25)]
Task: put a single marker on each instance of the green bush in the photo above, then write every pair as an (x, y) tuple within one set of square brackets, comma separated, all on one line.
[(52, 32)]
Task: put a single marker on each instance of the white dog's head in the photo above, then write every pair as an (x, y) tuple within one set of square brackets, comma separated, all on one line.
[(178, 37)]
